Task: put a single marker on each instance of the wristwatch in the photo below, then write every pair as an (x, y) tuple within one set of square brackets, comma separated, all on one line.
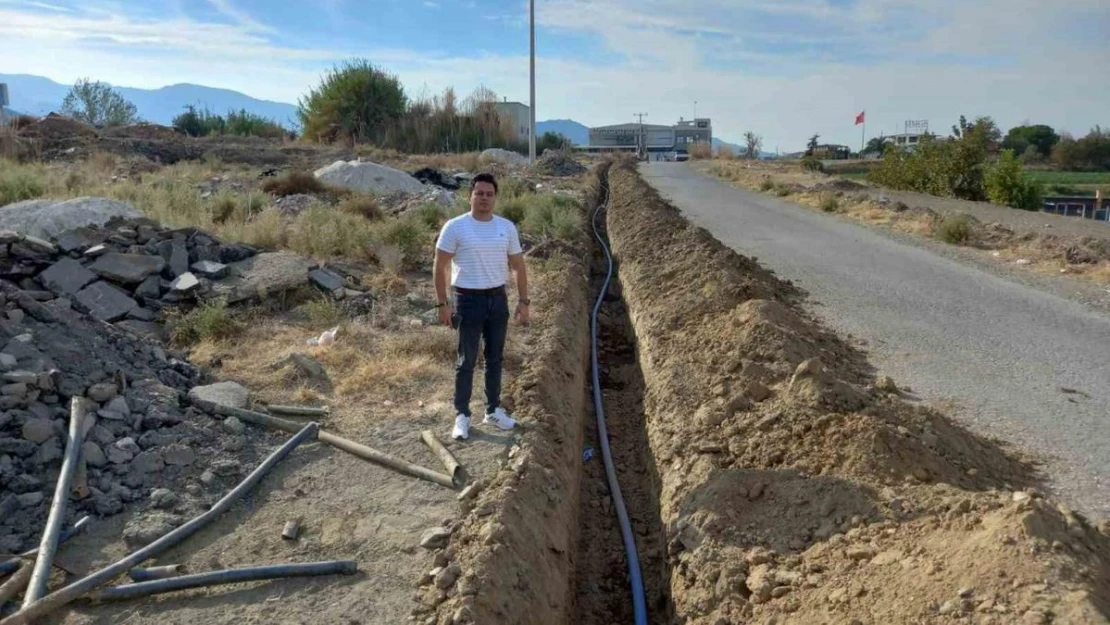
[(525, 301)]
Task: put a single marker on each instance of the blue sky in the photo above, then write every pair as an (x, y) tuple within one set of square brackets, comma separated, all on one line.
[(785, 69)]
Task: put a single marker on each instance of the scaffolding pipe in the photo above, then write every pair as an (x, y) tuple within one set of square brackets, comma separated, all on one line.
[(445, 456), (156, 572), (228, 576), (351, 447), (48, 545), (299, 411), (8, 566), (65, 595)]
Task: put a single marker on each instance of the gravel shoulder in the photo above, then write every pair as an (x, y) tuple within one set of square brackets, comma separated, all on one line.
[(995, 351)]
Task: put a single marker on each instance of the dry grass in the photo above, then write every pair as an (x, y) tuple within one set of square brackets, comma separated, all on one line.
[(701, 151), (293, 183), (364, 206)]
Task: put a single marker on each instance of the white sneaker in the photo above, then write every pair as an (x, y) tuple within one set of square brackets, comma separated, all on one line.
[(500, 419), (461, 430)]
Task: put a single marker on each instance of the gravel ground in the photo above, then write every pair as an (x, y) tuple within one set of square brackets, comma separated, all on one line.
[(1006, 358)]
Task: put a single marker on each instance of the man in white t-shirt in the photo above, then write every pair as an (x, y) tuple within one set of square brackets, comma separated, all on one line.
[(480, 248)]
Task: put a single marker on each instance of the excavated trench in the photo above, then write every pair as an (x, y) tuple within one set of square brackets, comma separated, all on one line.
[(602, 581)]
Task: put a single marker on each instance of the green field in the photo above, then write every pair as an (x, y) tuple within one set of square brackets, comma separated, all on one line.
[(1070, 177)]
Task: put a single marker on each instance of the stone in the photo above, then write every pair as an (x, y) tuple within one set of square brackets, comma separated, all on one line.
[(178, 455), (142, 328), (118, 454), (885, 384), (127, 268), (326, 280), (184, 283), (149, 461), (233, 425), (38, 430), (226, 468), (24, 483), (21, 377), (207, 478), (446, 578), (369, 178), (163, 498), (210, 269), (27, 500), (860, 553), (262, 276), (118, 404), (66, 276), (105, 302), (18, 389), (780, 591), (142, 314), (8, 362), (148, 528), (17, 446), (96, 251), (176, 255), (102, 392), (149, 288), (80, 239), (435, 538), (229, 394), (94, 456)]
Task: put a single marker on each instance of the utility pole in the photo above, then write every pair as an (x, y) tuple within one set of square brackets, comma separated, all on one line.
[(643, 140), (695, 109), (532, 81)]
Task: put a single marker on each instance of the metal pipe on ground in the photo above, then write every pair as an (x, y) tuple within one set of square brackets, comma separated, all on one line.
[(16, 583), (299, 411), (48, 546), (445, 456), (65, 595), (13, 564), (351, 447), (228, 576), (156, 572)]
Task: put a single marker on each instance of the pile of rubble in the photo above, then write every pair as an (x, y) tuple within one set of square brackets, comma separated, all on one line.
[(559, 163)]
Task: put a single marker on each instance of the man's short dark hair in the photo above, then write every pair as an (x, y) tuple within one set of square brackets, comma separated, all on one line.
[(484, 178)]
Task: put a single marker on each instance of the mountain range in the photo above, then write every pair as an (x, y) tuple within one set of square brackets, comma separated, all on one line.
[(36, 95)]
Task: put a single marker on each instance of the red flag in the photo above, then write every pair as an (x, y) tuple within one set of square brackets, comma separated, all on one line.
[(859, 118)]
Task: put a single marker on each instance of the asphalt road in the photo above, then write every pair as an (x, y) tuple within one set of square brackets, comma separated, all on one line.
[(995, 351)]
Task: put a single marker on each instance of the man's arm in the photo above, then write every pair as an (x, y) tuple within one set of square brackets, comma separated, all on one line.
[(516, 263), (440, 267)]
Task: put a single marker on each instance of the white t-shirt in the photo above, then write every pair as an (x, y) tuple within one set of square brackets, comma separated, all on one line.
[(481, 250)]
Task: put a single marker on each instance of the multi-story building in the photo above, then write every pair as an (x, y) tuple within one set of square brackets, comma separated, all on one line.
[(650, 138), (520, 117)]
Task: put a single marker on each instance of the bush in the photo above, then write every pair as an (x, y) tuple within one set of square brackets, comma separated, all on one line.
[(952, 168), (830, 203), (363, 205), (97, 104), (701, 151), (18, 184), (725, 152), (242, 123), (551, 216), (209, 321), (430, 214), (409, 234), (294, 182), (1009, 185), (513, 210), (810, 163), (782, 191), (954, 229), (356, 101), (766, 184)]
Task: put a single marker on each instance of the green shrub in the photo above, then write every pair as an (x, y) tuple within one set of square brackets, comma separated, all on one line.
[(810, 163), (551, 216), (357, 101), (766, 184), (513, 210), (830, 203), (408, 233), (782, 191), (364, 205), (954, 229), (209, 321), (1009, 185), (322, 312), (18, 184), (952, 168), (430, 214)]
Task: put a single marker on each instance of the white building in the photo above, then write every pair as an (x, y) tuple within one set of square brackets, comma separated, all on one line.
[(519, 115)]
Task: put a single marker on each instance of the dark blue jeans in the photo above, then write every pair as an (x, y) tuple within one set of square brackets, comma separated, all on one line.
[(482, 318)]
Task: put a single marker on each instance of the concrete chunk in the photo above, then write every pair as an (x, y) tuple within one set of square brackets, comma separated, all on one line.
[(210, 269), (184, 283), (127, 268), (231, 394), (66, 276), (326, 280), (105, 302)]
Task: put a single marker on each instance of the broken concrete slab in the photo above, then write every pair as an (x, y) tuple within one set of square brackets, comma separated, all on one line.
[(369, 178), (263, 275), (104, 301), (46, 219), (326, 280), (81, 238), (66, 276), (230, 394), (176, 255), (127, 268), (210, 269), (184, 283), (150, 288)]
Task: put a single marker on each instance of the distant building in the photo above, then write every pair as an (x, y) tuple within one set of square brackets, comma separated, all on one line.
[(520, 117), (906, 139), (650, 138), (832, 152)]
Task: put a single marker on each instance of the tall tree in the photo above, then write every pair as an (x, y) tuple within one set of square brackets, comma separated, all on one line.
[(1042, 137), (97, 104), (357, 101), (753, 144), (812, 145)]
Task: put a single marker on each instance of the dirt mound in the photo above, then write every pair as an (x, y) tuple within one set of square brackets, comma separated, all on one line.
[(55, 127), (794, 486), (144, 131), (558, 163), (839, 184)]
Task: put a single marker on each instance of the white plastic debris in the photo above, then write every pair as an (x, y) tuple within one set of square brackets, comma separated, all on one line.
[(1023, 261), (326, 338)]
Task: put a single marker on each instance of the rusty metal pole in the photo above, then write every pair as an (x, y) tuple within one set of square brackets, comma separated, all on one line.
[(48, 547)]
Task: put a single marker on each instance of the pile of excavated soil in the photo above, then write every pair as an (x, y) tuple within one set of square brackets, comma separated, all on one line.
[(795, 489), (558, 163)]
